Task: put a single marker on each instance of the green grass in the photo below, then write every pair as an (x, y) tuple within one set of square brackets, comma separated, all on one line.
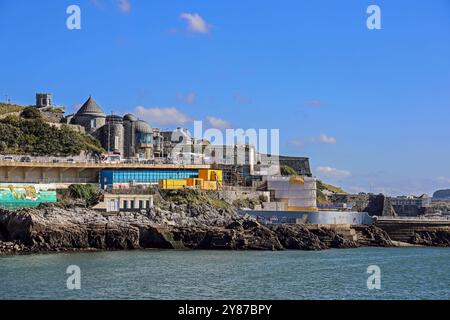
[(325, 186), (10, 108), (287, 171), (86, 192), (195, 197), (321, 187)]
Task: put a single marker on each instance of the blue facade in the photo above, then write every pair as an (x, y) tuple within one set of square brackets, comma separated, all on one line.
[(144, 138), (109, 177)]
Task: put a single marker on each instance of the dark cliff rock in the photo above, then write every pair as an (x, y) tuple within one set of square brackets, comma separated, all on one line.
[(297, 237), (56, 229), (438, 238), (373, 236), (234, 237)]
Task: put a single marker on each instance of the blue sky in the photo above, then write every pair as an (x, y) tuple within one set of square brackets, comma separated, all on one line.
[(369, 107)]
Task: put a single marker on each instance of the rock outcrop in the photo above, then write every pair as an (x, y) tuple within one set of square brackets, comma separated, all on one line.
[(437, 238), (52, 229)]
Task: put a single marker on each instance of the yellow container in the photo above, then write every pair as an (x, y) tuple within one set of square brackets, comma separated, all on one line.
[(172, 184), (210, 175), (195, 182), (209, 185), (308, 209)]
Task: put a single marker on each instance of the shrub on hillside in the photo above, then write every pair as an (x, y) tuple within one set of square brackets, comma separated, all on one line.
[(30, 113), (38, 138), (86, 192), (287, 171)]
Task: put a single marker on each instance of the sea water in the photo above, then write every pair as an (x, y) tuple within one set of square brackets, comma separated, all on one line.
[(404, 273)]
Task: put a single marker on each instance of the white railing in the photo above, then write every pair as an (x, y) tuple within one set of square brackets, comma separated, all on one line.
[(51, 161)]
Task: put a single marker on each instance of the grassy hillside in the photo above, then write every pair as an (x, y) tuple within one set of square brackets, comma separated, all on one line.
[(287, 171), (9, 108), (321, 187), (35, 137)]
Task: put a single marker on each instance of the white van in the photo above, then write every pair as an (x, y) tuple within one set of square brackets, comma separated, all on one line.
[(113, 159)]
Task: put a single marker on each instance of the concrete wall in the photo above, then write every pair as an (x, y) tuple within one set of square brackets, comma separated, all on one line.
[(320, 217), (48, 175)]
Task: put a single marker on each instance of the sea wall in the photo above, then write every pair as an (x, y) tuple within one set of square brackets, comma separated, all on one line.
[(319, 217), (426, 232)]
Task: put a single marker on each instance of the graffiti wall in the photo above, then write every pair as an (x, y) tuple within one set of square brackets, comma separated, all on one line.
[(18, 195)]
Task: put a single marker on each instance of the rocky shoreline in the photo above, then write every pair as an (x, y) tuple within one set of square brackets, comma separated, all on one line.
[(176, 224), (54, 229)]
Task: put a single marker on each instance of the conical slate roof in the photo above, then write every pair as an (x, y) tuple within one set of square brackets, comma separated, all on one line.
[(90, 107)]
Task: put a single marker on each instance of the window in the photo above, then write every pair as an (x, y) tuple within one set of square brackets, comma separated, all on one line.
[(147, 204), (125, 204), (93, 123), (131, 204), (113, 205), (141, 204)]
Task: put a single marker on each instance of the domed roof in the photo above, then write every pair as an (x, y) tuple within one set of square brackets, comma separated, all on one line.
[(143, 127), (90, 107), (113, 118), (130, 117)]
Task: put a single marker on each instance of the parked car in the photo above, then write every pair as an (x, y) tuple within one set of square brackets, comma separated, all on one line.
[(113, 159), (8, 158), (70, 160), (25, 159)]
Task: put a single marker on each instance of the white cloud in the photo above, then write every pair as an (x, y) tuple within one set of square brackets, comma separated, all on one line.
[(124, 5), (322, 139), (188, 98), (298, 142), (217, 123), (326, 139), (162, 116), (196, 23), (333, 172)]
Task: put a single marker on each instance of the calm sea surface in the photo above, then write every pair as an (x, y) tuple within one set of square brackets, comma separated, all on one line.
[(406, 273)]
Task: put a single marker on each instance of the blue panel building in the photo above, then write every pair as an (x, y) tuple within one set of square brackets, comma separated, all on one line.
[(108, 177)]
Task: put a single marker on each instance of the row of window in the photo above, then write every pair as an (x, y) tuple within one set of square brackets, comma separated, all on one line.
[(132, 204), (146, 176), (113, 205)]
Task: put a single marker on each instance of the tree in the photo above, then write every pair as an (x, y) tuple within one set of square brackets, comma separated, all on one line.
[(30, 113)]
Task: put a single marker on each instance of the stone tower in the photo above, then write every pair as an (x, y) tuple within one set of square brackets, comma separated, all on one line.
[(43, 100)]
